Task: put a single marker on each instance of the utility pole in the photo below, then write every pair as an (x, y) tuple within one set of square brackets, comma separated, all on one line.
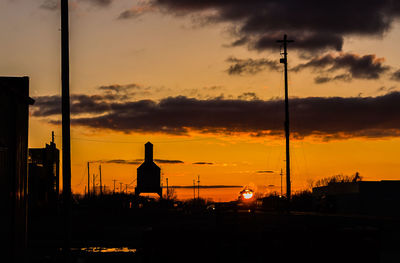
[(283, 60), (167, 189), (194, 189), (281, 181), (198, 187), (66, 132), (101, 185), (88, 180), (114, 186), (94, 185)]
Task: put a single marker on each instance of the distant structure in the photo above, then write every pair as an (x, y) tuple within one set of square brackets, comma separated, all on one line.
[(148, 174), (43, 178), (361, 197), (14, 114)]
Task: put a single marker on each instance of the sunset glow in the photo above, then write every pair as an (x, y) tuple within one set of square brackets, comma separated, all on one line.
[(247, 194), (207, 90)]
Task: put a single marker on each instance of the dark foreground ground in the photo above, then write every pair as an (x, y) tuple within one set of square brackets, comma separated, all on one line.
[(217, 236)]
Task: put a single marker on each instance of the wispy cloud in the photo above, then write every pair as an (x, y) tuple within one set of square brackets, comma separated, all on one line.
[(250, 66), (357, 66), (137, 161), (136, 11), (101, 3), (50, 5), (396, 75), (203, 163)]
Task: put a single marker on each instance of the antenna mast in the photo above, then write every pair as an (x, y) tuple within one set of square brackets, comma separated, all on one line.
[(283, 60)]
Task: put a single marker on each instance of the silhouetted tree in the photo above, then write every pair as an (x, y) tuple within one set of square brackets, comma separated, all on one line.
[(337, 179)]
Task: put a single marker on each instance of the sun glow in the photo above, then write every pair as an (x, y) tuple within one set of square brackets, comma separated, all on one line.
[(247, 194)]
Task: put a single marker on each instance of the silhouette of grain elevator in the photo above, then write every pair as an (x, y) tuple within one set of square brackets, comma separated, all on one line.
[(148, 174)]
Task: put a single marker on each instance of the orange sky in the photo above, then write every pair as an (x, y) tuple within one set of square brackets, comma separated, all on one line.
[(171, 56)]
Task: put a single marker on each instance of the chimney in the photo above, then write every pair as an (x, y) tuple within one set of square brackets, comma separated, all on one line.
[(148, 152)]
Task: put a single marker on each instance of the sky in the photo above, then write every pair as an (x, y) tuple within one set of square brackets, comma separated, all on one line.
[(202, 81)]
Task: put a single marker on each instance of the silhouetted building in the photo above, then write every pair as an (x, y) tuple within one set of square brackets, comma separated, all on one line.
[(363, 197), (148, 174), (14, 112), (43, 179)]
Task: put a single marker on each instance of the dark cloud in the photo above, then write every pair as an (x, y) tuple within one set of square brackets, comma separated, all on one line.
[(203, 163), (314, 24), (102, 3), (137, 161), (50, 5), (120, 161), (89, 104), (396, 75), (80, 104), (386, 89), (53, 5), (168, 161), (361, 67), (325, 117), (265, 172), (135, 12), (250, 66), (120, 88), (341, 77)]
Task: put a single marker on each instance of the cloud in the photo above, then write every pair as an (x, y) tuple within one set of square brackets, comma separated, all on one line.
[(248, 96), (341, 77), (250, 66), (386, 89), (90, 104), (203, 163), (396, 75), (50, 5), (120, 161), (314, 24), (265, 172), (360, 67), (101, 3), (53, 5), (168, 161), (135, 12), (324, 117), (137, 161)]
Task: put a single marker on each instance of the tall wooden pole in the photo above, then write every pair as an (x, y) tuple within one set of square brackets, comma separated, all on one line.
[(167, 190), (281, 182), (287, 131), (66, 144), (94, 185), (88, 180), (194, 189), (101, 185), (198, 187)]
